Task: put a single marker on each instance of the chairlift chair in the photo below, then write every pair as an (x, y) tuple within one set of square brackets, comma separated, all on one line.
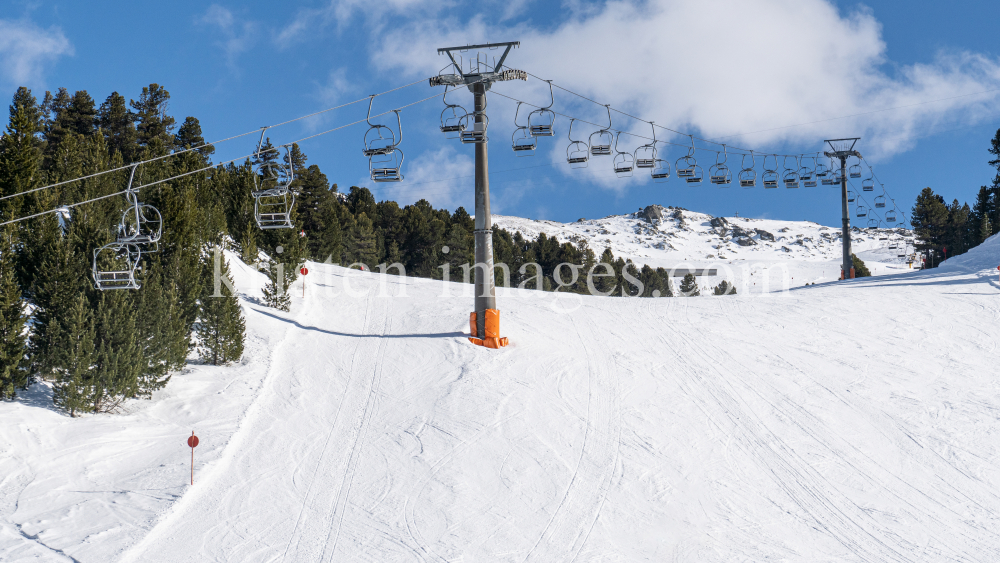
[(478, 132), (868, 185), (821, 169), (861, 211), (387, 170), (380, 139), (140, 224), (577, 153), (850, 196), (873, 223), (770, 176), (890, 216), (115, 266), (542, 120), (521, 141), (807, 174), (645, 155), (602, 146), (719, 173), (791, 175), (451, 121), (624, 162), (688, 169), (748, 176), (880, 201), (273, 198), (855, 170), (661, 171)]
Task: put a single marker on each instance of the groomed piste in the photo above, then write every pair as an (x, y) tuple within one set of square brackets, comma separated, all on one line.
[(843, 421)]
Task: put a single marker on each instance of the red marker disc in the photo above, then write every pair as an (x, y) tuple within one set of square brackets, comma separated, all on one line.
[(304, 271), (193, 441)]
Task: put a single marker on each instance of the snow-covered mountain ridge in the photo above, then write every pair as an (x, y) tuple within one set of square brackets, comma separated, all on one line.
[(671, 236)]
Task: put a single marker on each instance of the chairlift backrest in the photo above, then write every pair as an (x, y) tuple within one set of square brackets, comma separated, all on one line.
[(140, 224), (791, 174), (451, 117), (387, 171), (380, 139), (770, 176), (661, 171), (115, 266)]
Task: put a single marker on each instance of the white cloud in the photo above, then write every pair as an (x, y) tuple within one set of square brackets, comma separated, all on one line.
[(339, 12), (25, 50), (237, 36), (719, 68)]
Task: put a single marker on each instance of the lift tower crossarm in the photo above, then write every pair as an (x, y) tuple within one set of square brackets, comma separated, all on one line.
[(478, 77), (841, 149)]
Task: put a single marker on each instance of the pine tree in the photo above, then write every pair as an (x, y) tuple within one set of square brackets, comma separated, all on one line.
[(276, 290), (860, 270), (985, 228), (117, 123), (153, 125), (189, 136), (689, 286), (118, 358), (74, 353), (221, 329), (724, 288), (13, 376), (363, 242)]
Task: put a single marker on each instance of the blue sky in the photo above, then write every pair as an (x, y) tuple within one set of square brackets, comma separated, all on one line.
[(787, 71)]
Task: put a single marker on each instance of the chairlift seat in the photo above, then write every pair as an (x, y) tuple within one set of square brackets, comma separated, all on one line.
[(750, 183), (644, 163), (386, 175), (809, 183), (544, 130), (122, 275)]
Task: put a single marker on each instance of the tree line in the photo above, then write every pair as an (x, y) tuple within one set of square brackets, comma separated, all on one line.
[(100, 348), (944, 229)]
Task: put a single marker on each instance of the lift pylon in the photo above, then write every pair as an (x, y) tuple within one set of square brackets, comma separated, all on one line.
[(485, 319)]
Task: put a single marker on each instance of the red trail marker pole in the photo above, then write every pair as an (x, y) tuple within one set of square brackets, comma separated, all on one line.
[(193, 442), (304, 271)]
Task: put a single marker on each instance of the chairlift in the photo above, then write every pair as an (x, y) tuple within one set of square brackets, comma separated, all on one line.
[(115, 266), (602, 147), (521, 141), (868, 184), (387, 170), (770, 176), (661, 171), (451, 117), (748, 176), (791, 175), (273, 197), (880, 201), (890, 216), (541, 121), (861, 211), (379, 139), (478, 132), (821, 169), (577, 153), (855, 170), (141, 224), (624, 162), (645, 155), (689, 170), (807, 174), (873, 223), (719, 173), (850, 196)]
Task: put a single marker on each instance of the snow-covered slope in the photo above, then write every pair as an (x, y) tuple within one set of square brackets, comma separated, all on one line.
[(793, 252), (847, 421)]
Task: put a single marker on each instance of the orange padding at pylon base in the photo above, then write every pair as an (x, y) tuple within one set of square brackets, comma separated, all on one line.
[(492, 339)]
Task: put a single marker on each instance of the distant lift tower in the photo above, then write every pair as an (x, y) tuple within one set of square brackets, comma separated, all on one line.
[(843, 148), (484, 322)]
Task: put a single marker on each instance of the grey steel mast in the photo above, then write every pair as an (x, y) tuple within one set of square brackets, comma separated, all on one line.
[(479, 81), (841, 149)]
